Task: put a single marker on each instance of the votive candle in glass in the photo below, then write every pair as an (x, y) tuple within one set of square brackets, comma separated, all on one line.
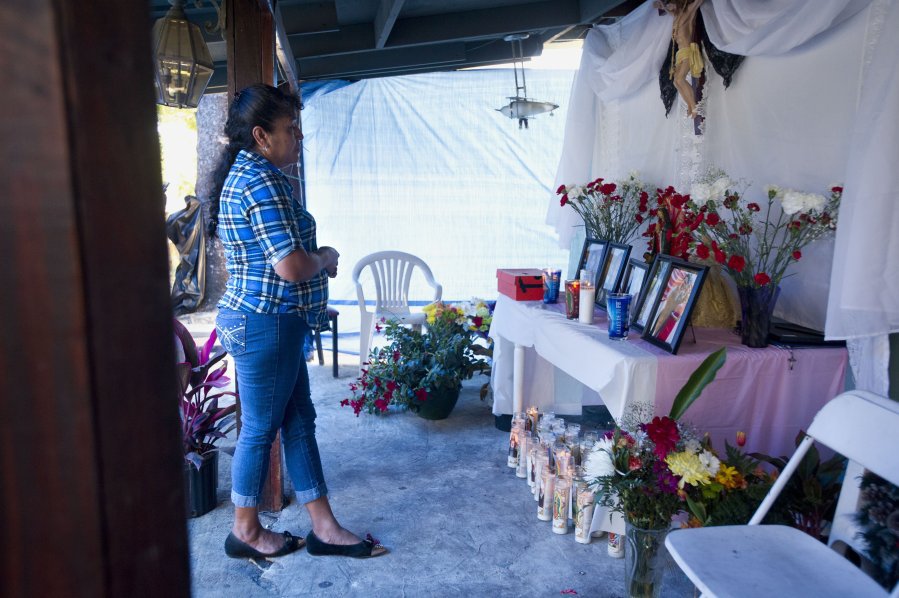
[(514, 440), (533, 447), (540, 465), (545, 495), (531, 421), (572, 298), (562, 457), (521, 471), (561, 496), (584, 502), (587, 297)]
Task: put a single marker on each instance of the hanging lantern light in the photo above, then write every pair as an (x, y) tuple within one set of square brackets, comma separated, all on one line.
[(181, 59), (521, 107)]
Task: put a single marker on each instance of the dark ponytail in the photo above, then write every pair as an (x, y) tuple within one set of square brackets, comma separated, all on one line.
[(257, 105)]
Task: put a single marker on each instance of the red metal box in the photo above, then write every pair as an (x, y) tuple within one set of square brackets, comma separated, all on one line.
[(521, 284)]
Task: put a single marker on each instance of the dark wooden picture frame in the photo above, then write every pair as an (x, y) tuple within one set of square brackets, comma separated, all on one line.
[(635, 275), (613, 266), (593, 256), (674, 303)]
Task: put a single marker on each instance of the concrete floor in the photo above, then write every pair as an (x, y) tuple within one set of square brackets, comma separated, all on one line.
[(438, 494)]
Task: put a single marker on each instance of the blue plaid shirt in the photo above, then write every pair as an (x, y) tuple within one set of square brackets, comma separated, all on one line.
[(259, 225)]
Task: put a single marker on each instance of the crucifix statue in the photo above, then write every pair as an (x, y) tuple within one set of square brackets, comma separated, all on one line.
[(688, 41), (687, 59)]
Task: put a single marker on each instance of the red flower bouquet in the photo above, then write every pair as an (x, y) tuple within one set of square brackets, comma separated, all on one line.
[(757, 243), (612, 211)]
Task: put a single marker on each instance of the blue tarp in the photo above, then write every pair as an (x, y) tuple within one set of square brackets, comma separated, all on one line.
[(425, 164)]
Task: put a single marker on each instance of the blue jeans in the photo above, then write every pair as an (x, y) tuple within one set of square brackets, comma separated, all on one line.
[(273, 383)]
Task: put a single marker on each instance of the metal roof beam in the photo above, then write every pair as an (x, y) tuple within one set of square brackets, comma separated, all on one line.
[(416, 31), (388, 11)]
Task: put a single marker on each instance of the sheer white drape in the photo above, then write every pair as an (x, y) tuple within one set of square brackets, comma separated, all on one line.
[(817, 103)]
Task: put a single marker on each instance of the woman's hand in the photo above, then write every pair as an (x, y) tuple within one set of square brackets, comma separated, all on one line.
[(331, 269), (300, 266)]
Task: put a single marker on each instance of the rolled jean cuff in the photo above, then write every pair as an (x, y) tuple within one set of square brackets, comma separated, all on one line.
[(244, 501), (313, 493)]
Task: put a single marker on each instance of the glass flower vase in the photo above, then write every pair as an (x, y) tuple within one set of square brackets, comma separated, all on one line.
[(645, 559), (756, 309)]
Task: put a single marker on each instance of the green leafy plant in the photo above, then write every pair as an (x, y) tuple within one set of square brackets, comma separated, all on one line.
[(203, 421), (414, 364), (809, 498)]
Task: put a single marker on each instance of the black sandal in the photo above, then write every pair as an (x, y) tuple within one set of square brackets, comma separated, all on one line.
[(366, 549), (236, 549)]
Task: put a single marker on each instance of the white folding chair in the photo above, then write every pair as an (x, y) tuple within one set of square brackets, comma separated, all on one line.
[(775, 560), (392, 274)]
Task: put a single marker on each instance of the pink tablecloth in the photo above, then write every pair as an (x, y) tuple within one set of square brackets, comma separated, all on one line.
[(771, 393)]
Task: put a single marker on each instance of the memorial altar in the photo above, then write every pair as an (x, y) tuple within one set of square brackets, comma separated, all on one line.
[(543, 359)]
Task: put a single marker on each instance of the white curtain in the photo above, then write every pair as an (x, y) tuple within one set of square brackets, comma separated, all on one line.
[(815, 103)]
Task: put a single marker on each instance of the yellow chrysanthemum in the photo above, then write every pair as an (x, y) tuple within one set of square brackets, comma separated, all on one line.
[(729, 477), (688, 467)]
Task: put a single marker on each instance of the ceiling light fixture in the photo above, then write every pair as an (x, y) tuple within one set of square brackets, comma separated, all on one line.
[(181, 59), (521, 107)]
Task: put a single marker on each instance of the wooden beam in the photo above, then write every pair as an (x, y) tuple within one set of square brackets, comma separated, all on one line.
[(250, 35), (250, 38), (90, 451), (388, 10)]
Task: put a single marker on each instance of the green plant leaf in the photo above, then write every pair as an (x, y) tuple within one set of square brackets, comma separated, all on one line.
[(698, 380)]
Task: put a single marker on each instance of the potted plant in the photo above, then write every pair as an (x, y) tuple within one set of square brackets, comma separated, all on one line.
[(421, 371), (203, 420)]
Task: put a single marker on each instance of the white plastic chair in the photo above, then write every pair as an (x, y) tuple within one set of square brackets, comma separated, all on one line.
[(775, 560), (392, 273)]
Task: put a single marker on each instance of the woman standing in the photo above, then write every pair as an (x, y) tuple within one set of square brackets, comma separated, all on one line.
[(277, 291)]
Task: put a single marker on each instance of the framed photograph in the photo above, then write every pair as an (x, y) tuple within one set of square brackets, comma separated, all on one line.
[(632, 282), (592, 258), (649, 292), (613, 269), (679, 289)]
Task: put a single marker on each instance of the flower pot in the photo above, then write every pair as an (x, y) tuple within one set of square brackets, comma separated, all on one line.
[(756, 308), (645, 559), (439, 404), (201, 486)]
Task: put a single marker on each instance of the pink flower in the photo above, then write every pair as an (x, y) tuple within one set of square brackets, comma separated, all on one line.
[(797, 254), (561, 189), (564, 200), (421, 394), (702, 252), (741, 439), (761, 279), (753, 207), (712, 219)]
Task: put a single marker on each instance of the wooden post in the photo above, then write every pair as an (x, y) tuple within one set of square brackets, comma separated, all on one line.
[(250, 40), (90, 451)]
